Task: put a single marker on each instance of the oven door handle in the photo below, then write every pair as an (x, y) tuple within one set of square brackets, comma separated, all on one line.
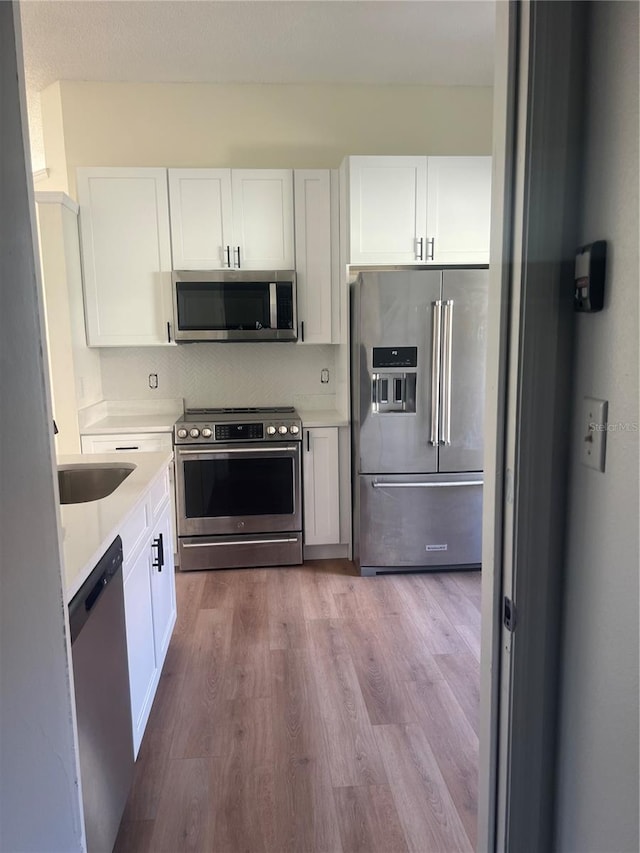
[(215, 450), (239, 542)]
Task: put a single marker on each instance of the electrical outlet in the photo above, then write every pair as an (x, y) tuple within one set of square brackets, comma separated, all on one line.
[(153, 380), (324, 375), (593, 433)]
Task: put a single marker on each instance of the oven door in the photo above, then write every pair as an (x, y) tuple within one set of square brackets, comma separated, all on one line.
[(229, 489)]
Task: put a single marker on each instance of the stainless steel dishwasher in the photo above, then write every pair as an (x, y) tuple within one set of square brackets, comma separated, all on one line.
[(101, 676)]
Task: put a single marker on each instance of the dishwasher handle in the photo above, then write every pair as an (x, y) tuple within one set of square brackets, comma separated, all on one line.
[(89, 593)]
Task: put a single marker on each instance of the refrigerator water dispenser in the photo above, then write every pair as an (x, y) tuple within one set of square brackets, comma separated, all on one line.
[(393, 392)]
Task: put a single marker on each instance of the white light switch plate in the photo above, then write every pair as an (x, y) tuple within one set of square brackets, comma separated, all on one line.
[(593, 432)]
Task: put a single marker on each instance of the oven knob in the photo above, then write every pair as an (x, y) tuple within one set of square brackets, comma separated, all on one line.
[(206, 433), (194, 433), (294, 430), (271, 430), (282, 430), (182, 433)]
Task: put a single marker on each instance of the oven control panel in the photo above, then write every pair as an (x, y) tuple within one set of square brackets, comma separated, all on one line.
[(278, 429), (238, 432)]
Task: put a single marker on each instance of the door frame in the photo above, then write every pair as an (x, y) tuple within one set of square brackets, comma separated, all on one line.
[(537, 123)]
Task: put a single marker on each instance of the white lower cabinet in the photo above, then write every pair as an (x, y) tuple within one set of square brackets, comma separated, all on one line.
[(138, 609), (149, 599), (321, 486), (163, 585)]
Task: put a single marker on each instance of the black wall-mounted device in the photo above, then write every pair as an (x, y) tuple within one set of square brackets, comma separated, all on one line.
[(589, 277)]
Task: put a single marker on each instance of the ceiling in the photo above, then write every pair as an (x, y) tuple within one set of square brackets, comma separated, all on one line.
[(432, 42)]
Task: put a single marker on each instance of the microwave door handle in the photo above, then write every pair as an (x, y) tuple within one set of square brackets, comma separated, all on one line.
[(273, 305)]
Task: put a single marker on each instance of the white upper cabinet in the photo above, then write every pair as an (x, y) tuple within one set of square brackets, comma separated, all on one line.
[(232, 218), (201, 218), (316, 230), (126, 254), (388, 208), (263, 219), (418, 210), (459, 209)]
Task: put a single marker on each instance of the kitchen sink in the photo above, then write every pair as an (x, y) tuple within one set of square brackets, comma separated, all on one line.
[(83, 483)]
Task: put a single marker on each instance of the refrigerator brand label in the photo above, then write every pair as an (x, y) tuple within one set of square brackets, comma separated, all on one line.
[(437, 547)]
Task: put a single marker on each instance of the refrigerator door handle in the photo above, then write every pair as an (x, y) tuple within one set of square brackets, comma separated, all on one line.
[(435, 372), (380, 484), (447, 338)]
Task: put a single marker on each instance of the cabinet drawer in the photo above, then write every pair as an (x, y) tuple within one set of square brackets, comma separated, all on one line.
[(127, 442), (134, 531)]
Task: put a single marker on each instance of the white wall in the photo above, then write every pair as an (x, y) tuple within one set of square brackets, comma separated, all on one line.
[(39, 796), (598, 738), (253, 126)]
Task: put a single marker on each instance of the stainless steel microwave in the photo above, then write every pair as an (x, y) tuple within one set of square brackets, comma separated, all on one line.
[(234, 305)]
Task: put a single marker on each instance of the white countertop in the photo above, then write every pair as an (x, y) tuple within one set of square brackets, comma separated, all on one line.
[(148, 422), (89, 528), (322, 418), (132, 416)]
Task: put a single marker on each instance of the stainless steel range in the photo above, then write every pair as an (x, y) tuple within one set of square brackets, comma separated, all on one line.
[(239, 488)]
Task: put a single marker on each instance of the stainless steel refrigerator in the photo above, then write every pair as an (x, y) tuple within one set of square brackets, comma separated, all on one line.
[(418, 366)]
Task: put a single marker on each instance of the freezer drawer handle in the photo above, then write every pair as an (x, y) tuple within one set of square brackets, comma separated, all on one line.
[(239, 542), (377, 484)]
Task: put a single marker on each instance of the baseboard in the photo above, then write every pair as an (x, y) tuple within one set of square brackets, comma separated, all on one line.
[(326, 552)]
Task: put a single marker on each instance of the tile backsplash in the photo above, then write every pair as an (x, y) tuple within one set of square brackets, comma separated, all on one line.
[(233, 374)]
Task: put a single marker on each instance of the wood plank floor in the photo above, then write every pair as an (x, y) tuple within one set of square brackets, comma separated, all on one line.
[(308, 710)]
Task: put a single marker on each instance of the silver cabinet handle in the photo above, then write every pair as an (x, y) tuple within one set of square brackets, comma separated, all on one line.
[(273, 302), (236, 249), (239, 542), (435, 372), (227, 252), (377, 484), (419, 249), (447, 323), (431, 243), (212, 451)]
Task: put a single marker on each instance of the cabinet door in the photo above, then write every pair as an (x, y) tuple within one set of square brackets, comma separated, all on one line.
[(262, 219), (201, 218), (163, 584), (140, 641), (459, 209), (388, 208), (314, 256), (321, 486), (126, 254)]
